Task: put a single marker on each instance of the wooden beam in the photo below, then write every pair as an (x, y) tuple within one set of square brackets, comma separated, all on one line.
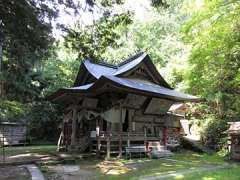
[(130, 117), (74, 125), (120, 132), (108, 140), (98, 138), (145, 137), (128, 140)]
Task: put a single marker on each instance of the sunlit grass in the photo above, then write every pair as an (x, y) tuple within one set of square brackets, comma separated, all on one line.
[(16, 150), (147, 167), (231, 173)]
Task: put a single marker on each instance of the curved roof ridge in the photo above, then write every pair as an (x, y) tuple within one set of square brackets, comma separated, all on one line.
[(131, 58), (133, 62), (98, 70)]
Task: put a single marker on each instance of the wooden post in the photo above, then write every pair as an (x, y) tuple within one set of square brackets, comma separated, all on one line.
[(74, 126), (152, 127), (130, 115), (98, 138), (60, 139), (145, 137), (128, 140), (108, 155), (108, 147), (120, 133)]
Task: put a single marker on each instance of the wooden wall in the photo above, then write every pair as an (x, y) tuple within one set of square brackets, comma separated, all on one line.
[(13, 134)]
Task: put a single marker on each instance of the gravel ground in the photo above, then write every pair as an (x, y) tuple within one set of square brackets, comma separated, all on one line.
[(14, 173)]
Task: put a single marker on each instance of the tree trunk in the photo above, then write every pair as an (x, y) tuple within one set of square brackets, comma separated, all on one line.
[(1, 58)]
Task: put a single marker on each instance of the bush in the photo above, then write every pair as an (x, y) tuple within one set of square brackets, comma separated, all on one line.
[(212, 132), (44, 120)]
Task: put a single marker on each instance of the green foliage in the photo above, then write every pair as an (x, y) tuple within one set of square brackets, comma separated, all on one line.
[(214, 34), (159, 36), (25, 37), (60, 70), (212, 131), (92, 41), (11, 111), (44, 121)]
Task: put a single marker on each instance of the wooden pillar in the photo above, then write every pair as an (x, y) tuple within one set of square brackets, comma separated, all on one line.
[(60, 139), (145, 137), (120, 133), (130, 116), (128, 140), (98, 138), (108, 140), (152, 127), (165, 135), (74, 126)]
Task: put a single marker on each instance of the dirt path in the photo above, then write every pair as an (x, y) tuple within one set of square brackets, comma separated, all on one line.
[(69, 172), (27, 158)]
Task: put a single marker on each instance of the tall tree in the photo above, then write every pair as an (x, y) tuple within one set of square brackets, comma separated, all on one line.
[(214, 34), (91, 41), (25, 37)]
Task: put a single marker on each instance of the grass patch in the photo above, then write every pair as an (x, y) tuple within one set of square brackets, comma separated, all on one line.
[(145, 167), (231, 173), (156, 167), (200, 158), (41, 149)]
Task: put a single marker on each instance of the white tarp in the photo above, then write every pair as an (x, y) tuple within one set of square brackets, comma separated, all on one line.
[(113, 115), (185, 126)]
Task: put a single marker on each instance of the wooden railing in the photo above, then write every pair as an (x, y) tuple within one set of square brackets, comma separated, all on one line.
[(126, 135)]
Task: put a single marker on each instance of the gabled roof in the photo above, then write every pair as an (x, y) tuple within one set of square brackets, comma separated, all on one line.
[(115, 78), (96, 70)]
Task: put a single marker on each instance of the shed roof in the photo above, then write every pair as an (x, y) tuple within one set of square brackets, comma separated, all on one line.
[(234, 128)]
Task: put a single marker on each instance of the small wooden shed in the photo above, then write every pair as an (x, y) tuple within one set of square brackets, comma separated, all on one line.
[(12, 133), (234, 140)]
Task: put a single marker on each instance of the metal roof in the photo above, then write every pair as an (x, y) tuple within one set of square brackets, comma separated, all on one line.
[(152, 88), (134, 84), (100, 69), (113, 74), (126, 67)]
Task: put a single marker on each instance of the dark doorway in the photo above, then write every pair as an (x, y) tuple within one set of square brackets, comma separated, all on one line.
[(104, 125), (125, 124)]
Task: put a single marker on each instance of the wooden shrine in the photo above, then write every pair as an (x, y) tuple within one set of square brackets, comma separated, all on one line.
[(113, 106)]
